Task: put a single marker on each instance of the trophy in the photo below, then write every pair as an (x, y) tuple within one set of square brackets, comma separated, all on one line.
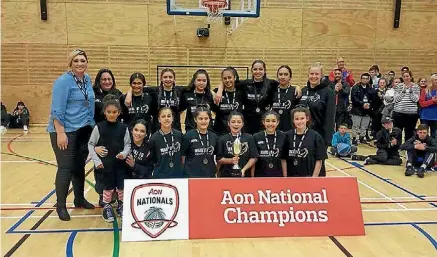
[(236, 147)]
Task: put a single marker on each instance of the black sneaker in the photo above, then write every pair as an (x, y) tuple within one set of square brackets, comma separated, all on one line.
[(421, 172), (363, 140), (409, 171), (83, 204), (354, 141), (108, 213), (120, 209)]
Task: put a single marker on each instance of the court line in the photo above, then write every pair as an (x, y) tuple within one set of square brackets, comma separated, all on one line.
[(25, 237), (400, 210), (48, 231), (26, 161), (369, 187), (386, 180), (69, 247), (430, 238), (340, 246)]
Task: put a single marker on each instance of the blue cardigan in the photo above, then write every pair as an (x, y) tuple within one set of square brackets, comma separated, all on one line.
[(69, 106)]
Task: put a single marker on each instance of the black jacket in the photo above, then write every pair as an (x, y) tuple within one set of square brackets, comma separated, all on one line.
[(383, 140), (377, 100), (98, 103), (359, 96), (321, 103), (431, 144), (342, 96)]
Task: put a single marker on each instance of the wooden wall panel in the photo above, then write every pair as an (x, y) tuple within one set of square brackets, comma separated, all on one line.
[(335, 28), (137, 35), (21, 23), (107, 24), (274, 28), (415, 30)]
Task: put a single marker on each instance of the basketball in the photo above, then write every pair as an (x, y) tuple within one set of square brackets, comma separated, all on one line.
[(343, 149), (153, 217)]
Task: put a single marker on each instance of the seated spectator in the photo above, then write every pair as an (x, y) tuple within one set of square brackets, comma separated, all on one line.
[(341, 143), (20, 117), (5, 119), (421, 150), (387, 143)]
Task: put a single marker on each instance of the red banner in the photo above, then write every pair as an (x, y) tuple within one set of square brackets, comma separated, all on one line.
[(274, 207)]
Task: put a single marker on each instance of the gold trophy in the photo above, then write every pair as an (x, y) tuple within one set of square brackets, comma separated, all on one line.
[(236, 147)]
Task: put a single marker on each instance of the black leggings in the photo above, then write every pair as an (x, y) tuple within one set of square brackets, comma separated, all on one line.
[(405, 122), (384, 157), (18, 122), (71, 164)]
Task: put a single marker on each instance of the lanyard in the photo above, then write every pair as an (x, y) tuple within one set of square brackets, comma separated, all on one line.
[(233, 99), (302, 139), (81, 85), (171, 153), (207, 142), (201, 100), (168, 100), (268, 145), (279, 94), (140, 109)]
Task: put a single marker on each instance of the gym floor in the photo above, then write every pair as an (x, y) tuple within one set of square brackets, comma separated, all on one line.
[(400, 214)]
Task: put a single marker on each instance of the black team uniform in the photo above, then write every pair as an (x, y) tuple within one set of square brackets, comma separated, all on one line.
[(225, 150), (231, 101), (166, 154), (302, 151), (199, 151), (270, 151), (143, 166)]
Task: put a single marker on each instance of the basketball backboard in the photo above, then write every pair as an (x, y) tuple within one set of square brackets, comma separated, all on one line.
[(235, 8)]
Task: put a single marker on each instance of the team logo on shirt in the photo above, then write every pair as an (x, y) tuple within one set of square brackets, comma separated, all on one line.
[(154, 207), (171, 150), (269, 153), (139, 109), (301, 153), (204, 150)]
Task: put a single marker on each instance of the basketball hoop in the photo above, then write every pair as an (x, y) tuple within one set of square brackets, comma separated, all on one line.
[(214, 9)]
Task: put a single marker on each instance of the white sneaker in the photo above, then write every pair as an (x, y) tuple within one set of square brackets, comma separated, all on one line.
[(25, 128), (3, 130)]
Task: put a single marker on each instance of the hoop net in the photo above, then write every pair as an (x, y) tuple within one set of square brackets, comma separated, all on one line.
[(214, 9)]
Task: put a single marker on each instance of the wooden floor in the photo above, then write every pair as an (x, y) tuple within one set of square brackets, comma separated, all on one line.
[(407, 226)]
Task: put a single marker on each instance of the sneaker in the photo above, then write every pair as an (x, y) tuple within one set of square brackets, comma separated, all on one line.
[(409, 171), (367, 161), (120, 209), (363, 140), (3, 130), (421, 172), (108, 213), (354, 141), (25, 128)]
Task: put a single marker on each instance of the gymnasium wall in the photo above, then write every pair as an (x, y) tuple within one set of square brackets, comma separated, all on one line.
[(134, 35)]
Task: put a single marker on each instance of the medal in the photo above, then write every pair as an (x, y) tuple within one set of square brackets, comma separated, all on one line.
[(279, 98), (270, 165), (205, 161), (170, 152), (271, 152), (82, 86), (258, 109), (280, 111), (297, 150)]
